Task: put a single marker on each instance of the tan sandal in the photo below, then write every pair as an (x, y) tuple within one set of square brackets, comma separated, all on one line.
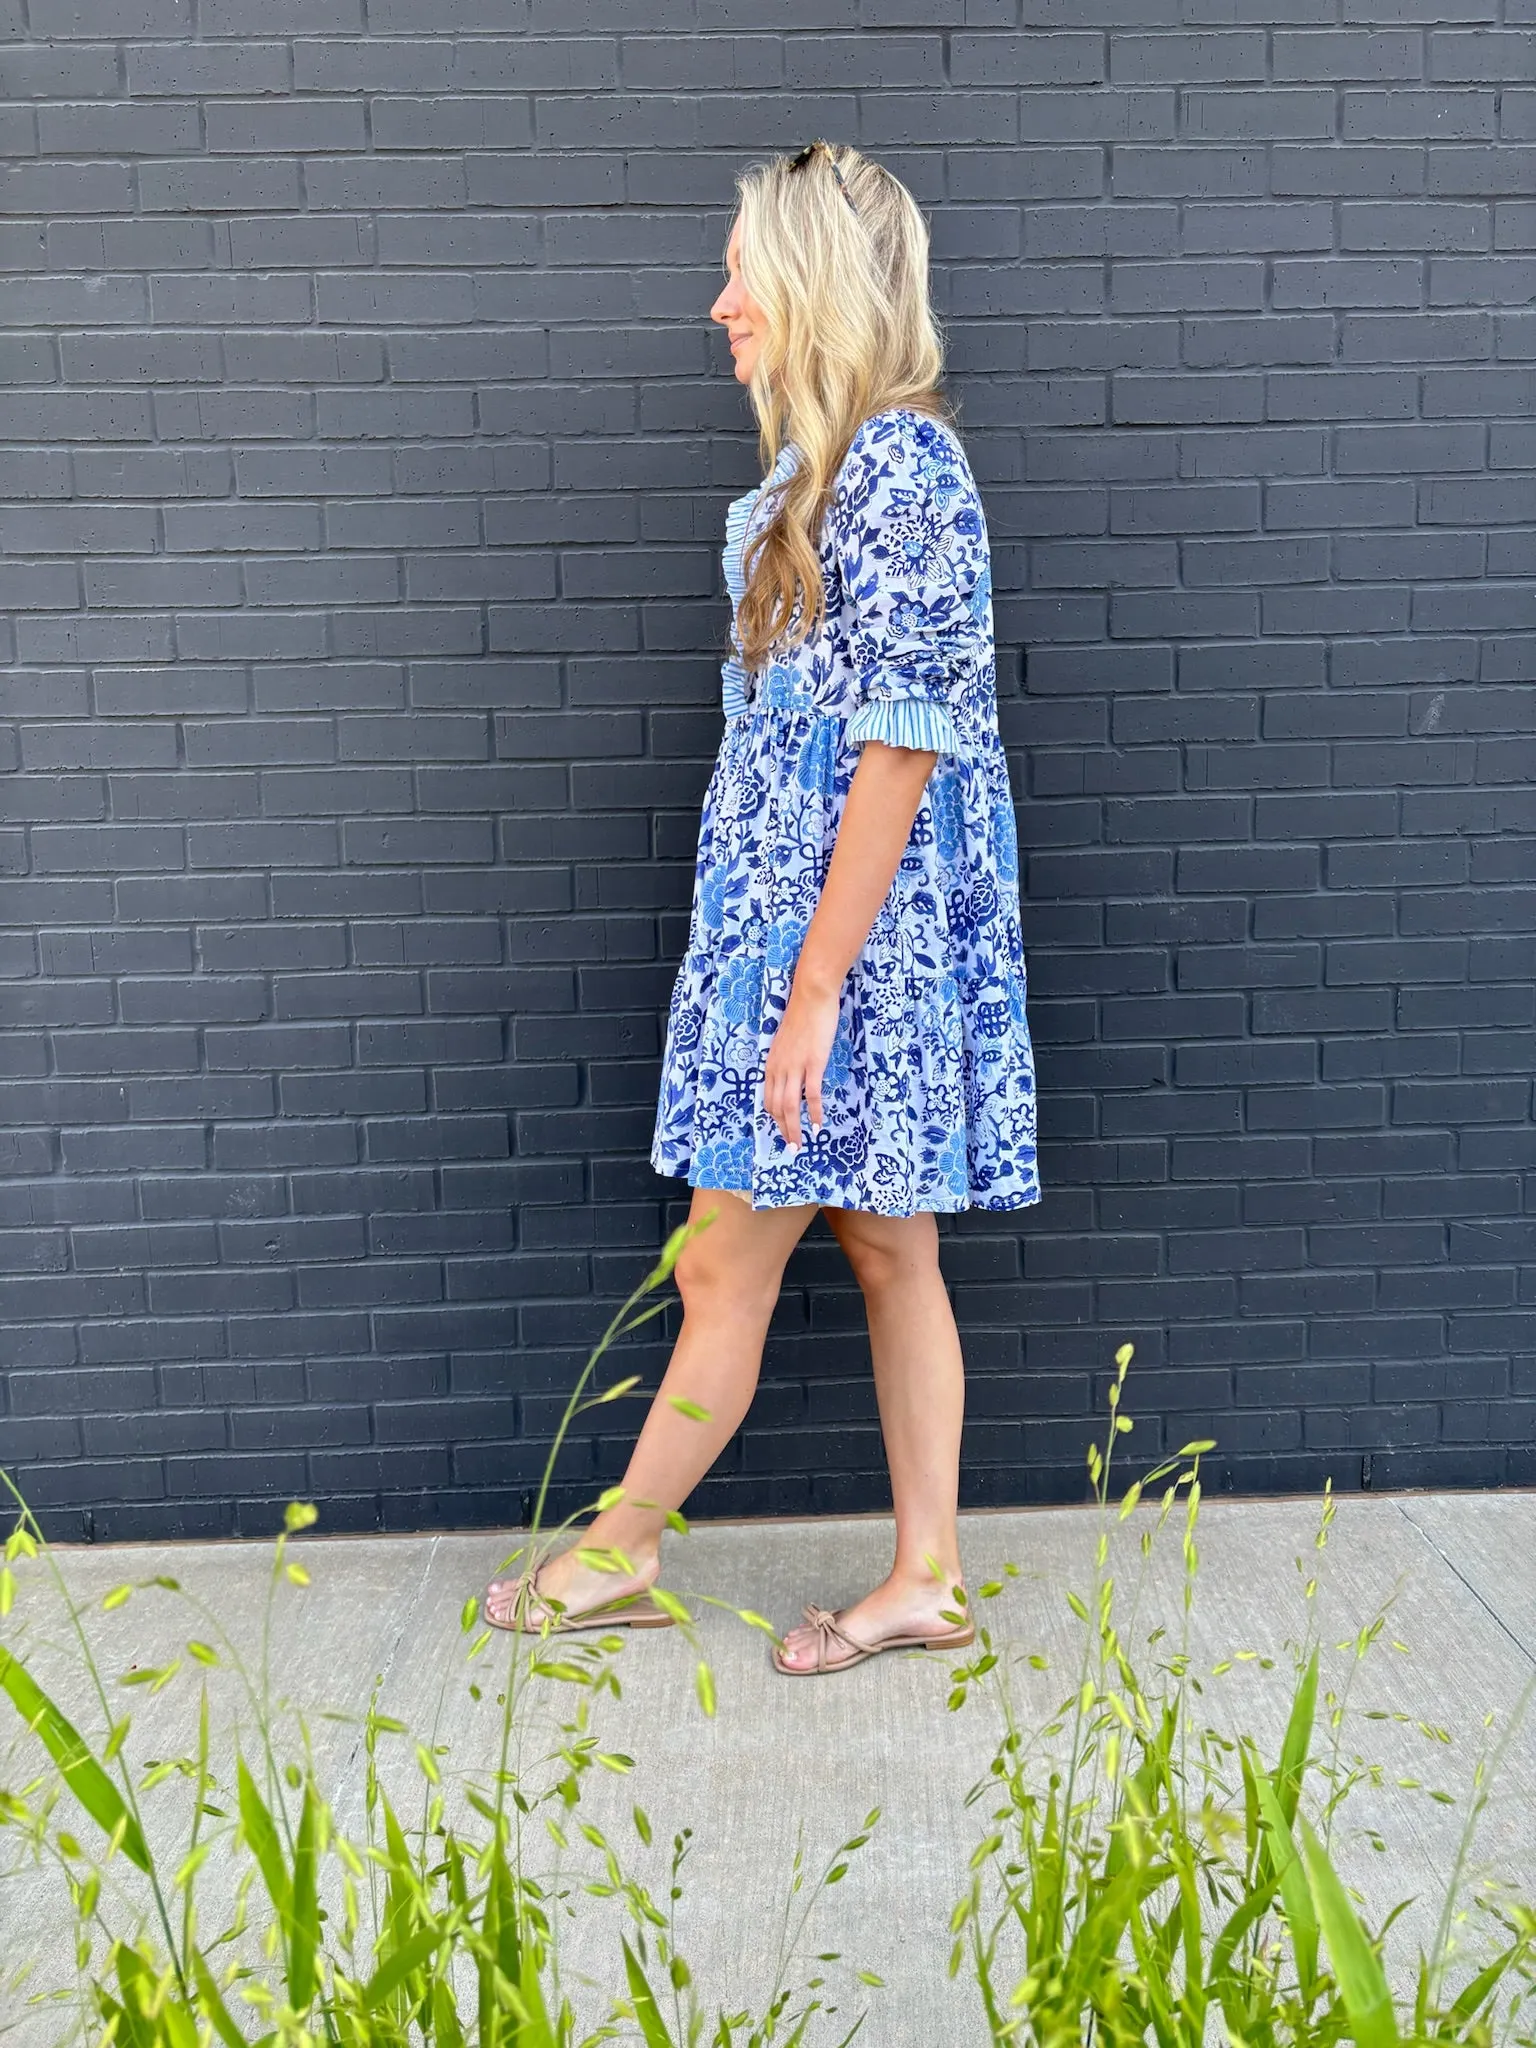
[(634, 1610), (830, 1632)]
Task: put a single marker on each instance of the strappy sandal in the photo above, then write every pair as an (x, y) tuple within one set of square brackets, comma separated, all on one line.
[(634, 1610), (830, 1632)]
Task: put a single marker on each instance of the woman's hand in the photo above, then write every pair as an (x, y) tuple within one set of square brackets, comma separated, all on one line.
[(797, 1058), (883, 799)]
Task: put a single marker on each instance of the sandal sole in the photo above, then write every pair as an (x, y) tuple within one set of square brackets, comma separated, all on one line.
[(954, 1642), (580, 1623)]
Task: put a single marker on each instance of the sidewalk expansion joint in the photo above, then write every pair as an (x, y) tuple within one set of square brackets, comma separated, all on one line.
[(1451, 1566)]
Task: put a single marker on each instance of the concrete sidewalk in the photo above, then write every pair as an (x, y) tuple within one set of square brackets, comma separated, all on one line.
[(784, 1759)]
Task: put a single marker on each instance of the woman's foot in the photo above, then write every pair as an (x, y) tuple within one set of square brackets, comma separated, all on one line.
[(899, 1606), (576, 1586)]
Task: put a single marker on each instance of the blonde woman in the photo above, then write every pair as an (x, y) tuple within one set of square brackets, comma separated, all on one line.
[(847, 1031)]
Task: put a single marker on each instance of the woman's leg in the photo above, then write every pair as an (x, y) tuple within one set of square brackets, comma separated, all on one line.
[(920, 1385), (729, 1278)]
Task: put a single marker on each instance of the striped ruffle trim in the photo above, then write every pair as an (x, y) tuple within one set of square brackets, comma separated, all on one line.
[(735, 534), (738, 517), (733, 688), (906, 722)]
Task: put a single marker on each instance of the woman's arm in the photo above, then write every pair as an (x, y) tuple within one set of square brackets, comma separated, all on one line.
[(912, 556), (882, 801)]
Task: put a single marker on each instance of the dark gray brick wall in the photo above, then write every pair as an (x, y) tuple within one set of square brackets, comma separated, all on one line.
[(367, 451)]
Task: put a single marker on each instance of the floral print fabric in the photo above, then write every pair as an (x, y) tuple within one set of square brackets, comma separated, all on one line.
[(928, 1096)]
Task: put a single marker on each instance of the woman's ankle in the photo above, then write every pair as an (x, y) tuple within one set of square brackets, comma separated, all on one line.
[(928, 1574), (641, 1553)]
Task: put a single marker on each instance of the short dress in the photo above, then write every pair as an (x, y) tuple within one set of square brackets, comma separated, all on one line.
[(928, 1097)]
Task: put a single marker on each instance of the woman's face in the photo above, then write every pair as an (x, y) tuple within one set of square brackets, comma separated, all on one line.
[(739, 313)]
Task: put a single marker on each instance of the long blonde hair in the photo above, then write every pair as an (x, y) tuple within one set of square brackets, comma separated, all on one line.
[(840, 269)]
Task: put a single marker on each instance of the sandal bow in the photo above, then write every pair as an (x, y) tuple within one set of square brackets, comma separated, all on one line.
[(830, 1632), (513, 1597)]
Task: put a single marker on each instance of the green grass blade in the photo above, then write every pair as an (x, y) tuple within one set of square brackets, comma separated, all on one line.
[(1145, 1947), (500, 1957), (403, 1920), (211, 2003), (1044, 1914), (304, 1907), (123, 2029), (647, 2013), (1482, 1987), (446, 2031), (1362, 1981), (257, 1826), (1095, 1944), (108, 2010), (177, 2028), (487, 1960), (1248, 1914), (1295, 1894), (803, 2027), (1298, 1738), (458, 1884), (410, 1957), (538, 2029), (79, 1769), (137, 1983), (1253, 1840), (508, 1934), (1196, 1988)]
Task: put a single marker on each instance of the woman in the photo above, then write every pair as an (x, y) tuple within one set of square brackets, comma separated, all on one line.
[(847, 1030)]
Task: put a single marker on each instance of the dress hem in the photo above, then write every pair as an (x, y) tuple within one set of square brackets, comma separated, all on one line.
[(1028, 1199)]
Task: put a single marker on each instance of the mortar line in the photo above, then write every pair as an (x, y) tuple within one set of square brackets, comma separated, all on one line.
[(1455, 1569)]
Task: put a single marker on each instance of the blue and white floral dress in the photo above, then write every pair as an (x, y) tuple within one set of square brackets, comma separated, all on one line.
[(929, 1094)]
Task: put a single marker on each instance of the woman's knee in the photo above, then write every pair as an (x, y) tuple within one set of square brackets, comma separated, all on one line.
[(716, 1280), (888, 1251)]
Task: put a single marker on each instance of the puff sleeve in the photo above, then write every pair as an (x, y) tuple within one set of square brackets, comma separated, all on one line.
[(913, 554)]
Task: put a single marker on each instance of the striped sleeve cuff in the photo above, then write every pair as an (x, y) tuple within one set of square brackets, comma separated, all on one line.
[(906, 722)]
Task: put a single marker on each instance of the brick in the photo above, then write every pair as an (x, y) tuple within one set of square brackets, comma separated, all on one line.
[(1209, 172), (1286, 451), (195, 67), (73, 187), (1353, 281), (1335, 503), (1186, 400), (1235, 227), (229, 414), (1478, 280), (1237, 115), (280, 126), (1226, 57), (1025, 60), (1456, 54), (176, 185), (1395, 113), (1386, 338), (1340, 54), (88, 129), (212, 301), (282, 17), (1340, 394)]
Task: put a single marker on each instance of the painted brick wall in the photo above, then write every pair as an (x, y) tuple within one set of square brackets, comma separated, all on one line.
[(368, 450)]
